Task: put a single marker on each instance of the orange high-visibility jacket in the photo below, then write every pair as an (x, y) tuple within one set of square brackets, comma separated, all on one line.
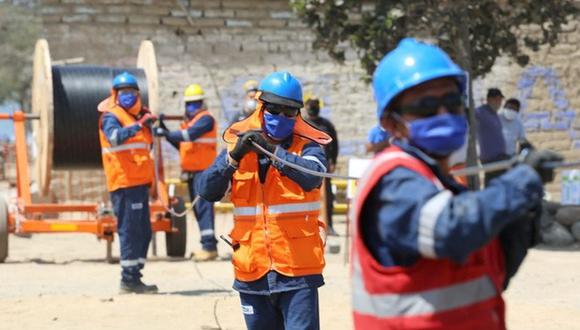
[(275, 223), (197, 155), (128, 164)]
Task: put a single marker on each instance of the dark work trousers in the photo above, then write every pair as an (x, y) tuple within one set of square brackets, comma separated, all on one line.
[(204, 213), (131, 206), (290, 310), (329, 201)]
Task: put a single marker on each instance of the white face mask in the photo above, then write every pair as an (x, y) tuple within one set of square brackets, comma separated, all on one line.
[(250, 105), (509, 114)]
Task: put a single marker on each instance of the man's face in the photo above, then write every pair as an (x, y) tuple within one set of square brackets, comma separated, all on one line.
[(495, 102), (251, 94), (435, 88)]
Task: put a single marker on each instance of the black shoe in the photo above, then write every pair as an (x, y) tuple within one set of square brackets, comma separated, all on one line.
[(137, 287), (331, 232)]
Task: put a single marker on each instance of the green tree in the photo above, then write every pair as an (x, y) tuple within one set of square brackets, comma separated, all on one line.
[(473, 32), (19, 29)]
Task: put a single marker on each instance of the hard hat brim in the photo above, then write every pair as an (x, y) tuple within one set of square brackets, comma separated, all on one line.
[(126, 85), (275, 99), (193, 98)]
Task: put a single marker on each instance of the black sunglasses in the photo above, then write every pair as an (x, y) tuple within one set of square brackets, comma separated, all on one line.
[(429, 106), (277, 109)]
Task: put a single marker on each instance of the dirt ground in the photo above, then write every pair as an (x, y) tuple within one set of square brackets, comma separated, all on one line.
[(60, 281)]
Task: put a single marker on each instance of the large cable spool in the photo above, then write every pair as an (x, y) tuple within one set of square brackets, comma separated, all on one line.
[(66, 100)]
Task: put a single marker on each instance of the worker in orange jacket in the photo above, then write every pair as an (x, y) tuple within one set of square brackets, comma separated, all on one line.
[(125, 136), (196, 141), (278, 251)]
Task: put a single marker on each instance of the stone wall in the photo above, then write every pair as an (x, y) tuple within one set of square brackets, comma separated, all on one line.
[(221, 43)]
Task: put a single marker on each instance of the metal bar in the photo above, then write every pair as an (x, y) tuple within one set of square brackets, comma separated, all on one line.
[(172, 117), (505, 164), (60, 208), (82, 226), (25, 116), (61, 226), (22, 175), (490, 167)]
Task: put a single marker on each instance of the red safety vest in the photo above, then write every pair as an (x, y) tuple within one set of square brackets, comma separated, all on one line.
[(197, 155), (432, 293), (276, 222), (128, 164)]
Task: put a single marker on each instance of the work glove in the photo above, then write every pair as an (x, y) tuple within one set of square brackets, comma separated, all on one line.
[(161, 121), (538, 159), (258, 138), (243, 146), (160, 131), (147, 119), (525, 144)]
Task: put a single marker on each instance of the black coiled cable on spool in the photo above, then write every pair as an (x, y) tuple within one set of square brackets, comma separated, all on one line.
[(77, 91)]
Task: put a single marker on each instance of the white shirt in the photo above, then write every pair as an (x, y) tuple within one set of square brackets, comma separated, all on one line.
[(513, 131)]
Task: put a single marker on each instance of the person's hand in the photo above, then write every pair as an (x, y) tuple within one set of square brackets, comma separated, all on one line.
[(160, 131), (160, 120), (258, 138), (538, 159), (525, 144), (243, 146), (147, 119), (331, 167)]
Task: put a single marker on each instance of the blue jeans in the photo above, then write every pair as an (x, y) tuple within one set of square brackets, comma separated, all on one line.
[(131, 207), (290, 310), (204, 213)]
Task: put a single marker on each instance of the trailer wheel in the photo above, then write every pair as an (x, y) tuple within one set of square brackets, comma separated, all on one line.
[(175, 242), (3, 230)]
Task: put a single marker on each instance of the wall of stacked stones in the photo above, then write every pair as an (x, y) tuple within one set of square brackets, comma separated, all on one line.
[(222, 43)]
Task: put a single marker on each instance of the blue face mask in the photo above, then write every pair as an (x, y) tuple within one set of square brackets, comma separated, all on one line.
[(438, 135), (278, 127), (127, 100), (191, 108)]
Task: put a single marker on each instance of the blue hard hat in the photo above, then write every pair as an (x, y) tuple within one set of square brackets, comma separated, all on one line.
[(410, 64), (281, 88), (125, 80)]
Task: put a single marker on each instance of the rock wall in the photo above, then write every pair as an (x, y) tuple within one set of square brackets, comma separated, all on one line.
[(222, 43)]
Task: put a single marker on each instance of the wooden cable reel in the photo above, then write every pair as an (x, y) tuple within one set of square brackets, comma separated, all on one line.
[(66, 98)]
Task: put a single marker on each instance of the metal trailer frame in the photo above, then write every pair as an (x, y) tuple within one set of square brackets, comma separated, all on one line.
[(26, 217)]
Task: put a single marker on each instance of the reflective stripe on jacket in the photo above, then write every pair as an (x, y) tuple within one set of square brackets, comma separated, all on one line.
[(276, 222), (128, 164), (197, 155), (432, 293)]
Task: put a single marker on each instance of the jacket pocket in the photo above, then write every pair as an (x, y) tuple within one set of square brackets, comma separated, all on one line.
[(243, 187), (304, 244), (243, 257)]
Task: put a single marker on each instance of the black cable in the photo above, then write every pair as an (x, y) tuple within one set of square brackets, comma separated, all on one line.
[(77, 91)]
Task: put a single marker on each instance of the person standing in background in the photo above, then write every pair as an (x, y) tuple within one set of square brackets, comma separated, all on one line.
[(331, 151), (513, 129), (492, 146), (249, 102), (125, 137), (197, 145)]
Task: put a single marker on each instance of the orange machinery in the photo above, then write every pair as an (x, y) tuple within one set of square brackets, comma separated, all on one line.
[(26, 217)]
